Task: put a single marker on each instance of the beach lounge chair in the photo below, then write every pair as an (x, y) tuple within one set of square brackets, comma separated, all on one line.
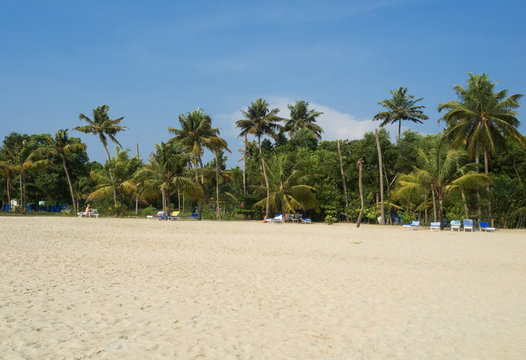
[(194, 216), (278, 219), (455, 224), (484, 226), (468, 224), (158, 215), (173, 216), (415, 225), (434, 226), (306, 221)]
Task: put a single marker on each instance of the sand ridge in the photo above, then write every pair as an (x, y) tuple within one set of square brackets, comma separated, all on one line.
[(133, 288)]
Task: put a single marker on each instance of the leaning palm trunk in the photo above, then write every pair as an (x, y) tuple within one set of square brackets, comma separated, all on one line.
[(70, 185), (343, 181), (245, 166), (110, 172), (486, 171), (360, 187), (218, 210), (382, 221)]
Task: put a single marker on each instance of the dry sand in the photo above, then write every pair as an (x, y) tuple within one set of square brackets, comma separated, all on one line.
[(145, 289)]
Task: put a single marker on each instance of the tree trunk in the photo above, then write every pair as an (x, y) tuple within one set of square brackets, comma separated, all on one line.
[(479, 208), (218, 210), (22, 191), (110, 171), (343, 182), (380, 164), (266, 181), (399, 130), (9, 190), (434, 204), (360, 188), (486, 171), (245, 166), (178, 200), (163, 196), (466, 212), (425, 210), (137, 204), (70, 185), (440, 204)]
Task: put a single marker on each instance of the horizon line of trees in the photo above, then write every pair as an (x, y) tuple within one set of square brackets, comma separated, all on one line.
[(287, 168)]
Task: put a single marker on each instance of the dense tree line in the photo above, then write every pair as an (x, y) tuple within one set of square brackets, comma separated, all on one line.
[(475, 169)]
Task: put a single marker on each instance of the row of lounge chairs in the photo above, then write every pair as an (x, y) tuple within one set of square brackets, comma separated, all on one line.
[(454, 225), (280, 219), (174, 215)]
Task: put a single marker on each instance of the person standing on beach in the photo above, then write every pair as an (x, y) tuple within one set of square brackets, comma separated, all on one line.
[(88, 210)]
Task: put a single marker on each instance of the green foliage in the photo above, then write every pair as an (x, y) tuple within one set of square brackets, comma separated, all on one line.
[(150, 210), (331, 214)]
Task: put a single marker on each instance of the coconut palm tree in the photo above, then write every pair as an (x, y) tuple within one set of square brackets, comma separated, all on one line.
[(20, 160), (301, 117), (439, 175), (102, 126), (166, 173), (359, 163), (63, 145), (482, 120), (400, 107), (288, 190), (217, 145), (196, 130), (261, 121)]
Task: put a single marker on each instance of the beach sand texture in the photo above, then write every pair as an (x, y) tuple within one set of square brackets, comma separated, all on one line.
[(146, 289)]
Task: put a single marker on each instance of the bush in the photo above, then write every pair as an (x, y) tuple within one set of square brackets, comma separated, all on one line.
[(150, 210)]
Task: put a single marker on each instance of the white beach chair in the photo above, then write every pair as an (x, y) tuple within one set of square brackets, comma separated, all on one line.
[(468, 224), (455, 224), (434, 226), (415, 225)]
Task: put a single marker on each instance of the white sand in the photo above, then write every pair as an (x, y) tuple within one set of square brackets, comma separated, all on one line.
[(145, 289)]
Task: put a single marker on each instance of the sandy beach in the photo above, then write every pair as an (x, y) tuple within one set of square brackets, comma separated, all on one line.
[(145, 289)]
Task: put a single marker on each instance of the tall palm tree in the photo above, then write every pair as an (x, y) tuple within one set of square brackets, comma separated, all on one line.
[(63, 145), (102, 126), (261, 121), (301, 117), (196, 130), (359, 163), (400, 107), (217, 145), (288, 189), (440, 176), (482, 119)]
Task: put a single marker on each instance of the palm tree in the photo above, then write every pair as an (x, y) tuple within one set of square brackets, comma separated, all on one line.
[(63, 145), (122, 167), (482, 119), (196, 130), (302, 118), (440, 176), (21, 160), (166, 173), (217, 145), (260, 121), (400, 107), (288, 190), (103, 127), (380, 168), (359, 163), (7, 173)]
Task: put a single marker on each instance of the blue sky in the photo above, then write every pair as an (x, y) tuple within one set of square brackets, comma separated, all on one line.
[(150, 61)]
